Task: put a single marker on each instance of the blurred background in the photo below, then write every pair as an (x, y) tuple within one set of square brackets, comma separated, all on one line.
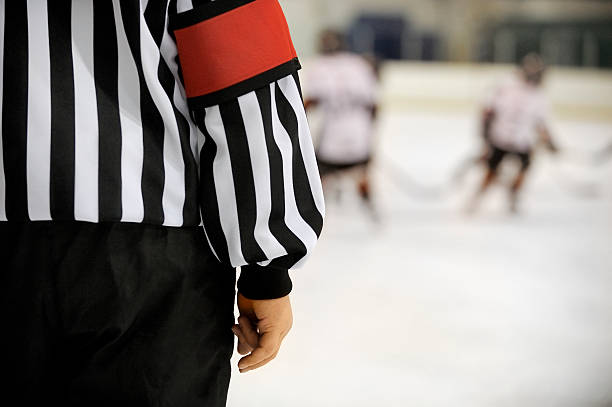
[(415, 297)]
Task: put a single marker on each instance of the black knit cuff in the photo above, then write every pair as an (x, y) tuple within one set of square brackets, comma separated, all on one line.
[(264, 283)]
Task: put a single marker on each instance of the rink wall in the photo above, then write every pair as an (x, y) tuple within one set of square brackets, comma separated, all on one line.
[(575, 94)]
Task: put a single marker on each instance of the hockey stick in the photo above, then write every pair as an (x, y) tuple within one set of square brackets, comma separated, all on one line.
[(588, 158), (569, 182), (577, 188), (604, 155), (409, 183)]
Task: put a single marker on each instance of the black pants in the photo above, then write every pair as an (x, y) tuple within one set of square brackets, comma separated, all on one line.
[(113, 315), (326, 168), (497, 155)]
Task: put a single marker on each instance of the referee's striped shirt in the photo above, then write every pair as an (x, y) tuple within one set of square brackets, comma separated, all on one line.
[(97, 127)]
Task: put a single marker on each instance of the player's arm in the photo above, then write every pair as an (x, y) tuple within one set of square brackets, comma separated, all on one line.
[(543, 111), (261, 197), (546, 138), (488, 115), (374, 110)]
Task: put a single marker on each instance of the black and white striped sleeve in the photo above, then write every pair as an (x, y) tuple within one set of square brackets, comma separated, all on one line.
[(260, 191)]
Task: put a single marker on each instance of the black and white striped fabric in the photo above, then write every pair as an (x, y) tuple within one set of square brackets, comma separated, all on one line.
[(96, 128)]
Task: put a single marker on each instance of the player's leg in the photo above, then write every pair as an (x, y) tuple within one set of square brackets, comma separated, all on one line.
[(519, 180), (330, 174), (363, 183), (495, 158), (364, 189)]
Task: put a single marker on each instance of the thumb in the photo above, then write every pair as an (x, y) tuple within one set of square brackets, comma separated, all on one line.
[(266, 350)]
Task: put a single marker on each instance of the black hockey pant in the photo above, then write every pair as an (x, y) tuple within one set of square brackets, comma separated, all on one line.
[(113, 315)]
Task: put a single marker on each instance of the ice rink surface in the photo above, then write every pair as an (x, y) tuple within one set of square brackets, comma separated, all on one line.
[(433, 307)]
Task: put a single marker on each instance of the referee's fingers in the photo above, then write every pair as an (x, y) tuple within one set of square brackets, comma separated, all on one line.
[(249, 329), (266, 350), (258, 365), (243, 345)]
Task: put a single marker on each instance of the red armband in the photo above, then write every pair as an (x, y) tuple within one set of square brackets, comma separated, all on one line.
[(229, 47)]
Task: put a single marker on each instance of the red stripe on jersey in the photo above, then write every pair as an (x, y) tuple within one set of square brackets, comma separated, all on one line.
[(232, 47)]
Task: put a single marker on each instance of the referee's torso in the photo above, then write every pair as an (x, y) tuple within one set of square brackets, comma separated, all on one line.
[(101, 124), (95, 123)]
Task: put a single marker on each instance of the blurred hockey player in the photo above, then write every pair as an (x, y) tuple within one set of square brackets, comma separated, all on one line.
[(514, 122), (343, 85)]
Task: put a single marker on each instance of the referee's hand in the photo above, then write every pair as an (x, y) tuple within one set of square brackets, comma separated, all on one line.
[(262, 326)]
